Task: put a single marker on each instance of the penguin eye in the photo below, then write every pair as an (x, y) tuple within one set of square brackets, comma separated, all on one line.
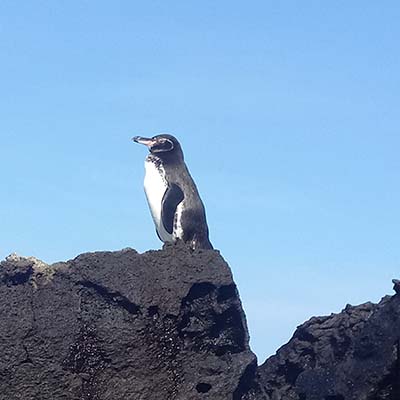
[(162, 145)]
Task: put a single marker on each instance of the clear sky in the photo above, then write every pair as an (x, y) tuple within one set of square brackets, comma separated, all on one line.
[(288, 114)]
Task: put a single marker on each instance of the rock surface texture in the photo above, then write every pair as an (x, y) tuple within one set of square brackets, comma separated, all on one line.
[(353, 355), (121, 325), (168, 325)]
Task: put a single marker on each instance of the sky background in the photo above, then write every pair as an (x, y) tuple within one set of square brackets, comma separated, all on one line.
[(288, 114)]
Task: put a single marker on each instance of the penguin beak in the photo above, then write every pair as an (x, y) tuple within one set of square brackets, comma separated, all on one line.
[(142, 140)]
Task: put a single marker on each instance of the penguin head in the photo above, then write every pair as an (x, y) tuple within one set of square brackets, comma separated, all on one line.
[(163, 146)]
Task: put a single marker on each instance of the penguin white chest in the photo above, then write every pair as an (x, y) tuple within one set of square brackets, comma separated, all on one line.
[(155, 186)]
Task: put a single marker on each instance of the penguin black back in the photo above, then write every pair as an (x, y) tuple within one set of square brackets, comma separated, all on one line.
[(173, 198)]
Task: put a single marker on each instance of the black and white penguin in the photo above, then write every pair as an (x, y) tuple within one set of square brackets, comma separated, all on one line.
[(177, 210)]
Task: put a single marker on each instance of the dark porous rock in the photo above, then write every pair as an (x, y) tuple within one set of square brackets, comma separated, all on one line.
[(353, 355), (162, 325), (168, 325)]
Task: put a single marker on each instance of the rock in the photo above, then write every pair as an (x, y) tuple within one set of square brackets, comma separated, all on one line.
[(168, 325), (121, 325), (353, 355)]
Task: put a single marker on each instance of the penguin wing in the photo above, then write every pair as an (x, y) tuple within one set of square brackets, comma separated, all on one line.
[(172, 197)]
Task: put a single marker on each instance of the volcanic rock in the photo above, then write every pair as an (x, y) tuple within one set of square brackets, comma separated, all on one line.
[(168, 325), (353, 355), (162, 325)]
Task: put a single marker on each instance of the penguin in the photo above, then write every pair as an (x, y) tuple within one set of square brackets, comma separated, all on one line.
[(174, 201)]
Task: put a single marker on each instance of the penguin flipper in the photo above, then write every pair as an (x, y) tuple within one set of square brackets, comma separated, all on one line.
[(172, 197)]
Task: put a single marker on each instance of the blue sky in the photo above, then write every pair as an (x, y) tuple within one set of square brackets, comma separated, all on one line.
[(288, 114)]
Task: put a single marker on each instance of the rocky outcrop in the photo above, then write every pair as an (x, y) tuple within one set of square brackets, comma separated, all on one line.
[(353, 355), (168, 325), (121, 325)]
